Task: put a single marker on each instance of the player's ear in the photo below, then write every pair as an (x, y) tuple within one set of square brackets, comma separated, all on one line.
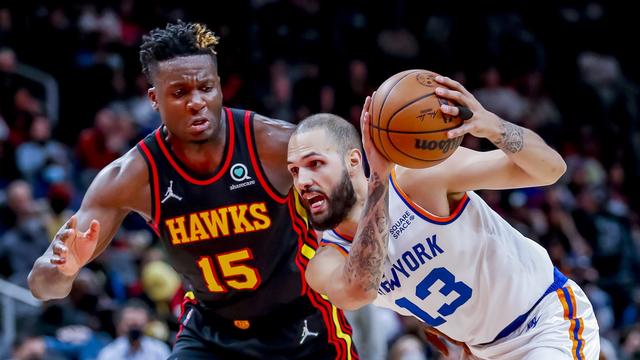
[(152, 95), (355, 159)]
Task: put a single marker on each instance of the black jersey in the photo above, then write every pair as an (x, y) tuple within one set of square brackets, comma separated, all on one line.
[(240, 245)]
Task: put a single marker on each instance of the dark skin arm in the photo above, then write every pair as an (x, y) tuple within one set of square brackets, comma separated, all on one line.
[(272, 139), (119, 188)]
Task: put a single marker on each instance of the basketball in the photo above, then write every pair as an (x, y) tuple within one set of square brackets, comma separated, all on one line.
[(407, 126)]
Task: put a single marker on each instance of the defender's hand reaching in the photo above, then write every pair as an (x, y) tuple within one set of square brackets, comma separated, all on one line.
[(72, 249)]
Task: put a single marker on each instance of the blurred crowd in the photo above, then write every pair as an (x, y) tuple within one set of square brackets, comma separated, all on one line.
[(560, 68)]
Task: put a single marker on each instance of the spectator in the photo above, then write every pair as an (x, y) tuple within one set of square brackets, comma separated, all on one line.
[(132, 343)]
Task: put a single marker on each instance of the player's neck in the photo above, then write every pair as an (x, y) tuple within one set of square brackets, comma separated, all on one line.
[(350, 225)]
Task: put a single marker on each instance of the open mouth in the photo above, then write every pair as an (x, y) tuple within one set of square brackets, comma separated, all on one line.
[(200, 124), (316, 201)]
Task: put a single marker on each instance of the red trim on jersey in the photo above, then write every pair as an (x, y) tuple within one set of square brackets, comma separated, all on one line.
[(155, 186), (223, 169), (254, 161), (342, 318), (184, 302), (434, 218), (325, 309), (343, 235)]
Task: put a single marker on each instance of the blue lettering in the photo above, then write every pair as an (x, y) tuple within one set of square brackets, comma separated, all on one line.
[(398, 266), (413, 264), (420, 252), (433, 246), (394, 282)]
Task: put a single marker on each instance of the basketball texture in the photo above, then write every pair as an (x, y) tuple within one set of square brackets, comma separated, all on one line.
[(407, 126)]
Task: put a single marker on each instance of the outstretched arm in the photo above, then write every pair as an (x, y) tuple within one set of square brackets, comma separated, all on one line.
[(352, 281), (524, 159), (86, 234)]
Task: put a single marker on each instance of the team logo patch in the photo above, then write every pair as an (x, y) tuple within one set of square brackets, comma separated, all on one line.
[(170, 194), (239, 172)]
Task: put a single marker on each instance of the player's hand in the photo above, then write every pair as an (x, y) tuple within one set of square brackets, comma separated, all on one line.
[(378, 164), (478, 121), (72, 249)]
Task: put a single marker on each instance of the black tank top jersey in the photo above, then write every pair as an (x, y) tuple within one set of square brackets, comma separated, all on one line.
[(240, 245)]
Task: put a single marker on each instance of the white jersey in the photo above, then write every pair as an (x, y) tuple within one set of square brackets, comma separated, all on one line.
[(470, 275)]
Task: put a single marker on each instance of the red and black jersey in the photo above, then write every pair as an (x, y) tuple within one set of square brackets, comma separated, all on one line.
[(237, 242)]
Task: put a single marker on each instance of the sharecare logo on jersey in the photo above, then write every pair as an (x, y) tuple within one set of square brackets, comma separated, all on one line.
[(239, 173), (401, 224)]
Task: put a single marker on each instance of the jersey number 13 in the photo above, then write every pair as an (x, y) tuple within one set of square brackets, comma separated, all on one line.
[(422, 292)]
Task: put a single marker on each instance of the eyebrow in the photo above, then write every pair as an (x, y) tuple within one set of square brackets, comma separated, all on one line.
[(313, 153), (183, 81)]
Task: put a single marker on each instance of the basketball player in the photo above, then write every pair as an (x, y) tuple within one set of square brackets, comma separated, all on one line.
[(213, 184), (430, 247)]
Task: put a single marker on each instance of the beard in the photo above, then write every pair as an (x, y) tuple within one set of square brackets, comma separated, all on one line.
[(340, 201)]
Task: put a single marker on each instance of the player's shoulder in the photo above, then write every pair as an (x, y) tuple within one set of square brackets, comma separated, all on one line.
[(267, 126), (128, 166), (123, 179)]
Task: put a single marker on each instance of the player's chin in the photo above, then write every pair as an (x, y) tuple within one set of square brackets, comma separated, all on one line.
[(319, 222), (200, 137)]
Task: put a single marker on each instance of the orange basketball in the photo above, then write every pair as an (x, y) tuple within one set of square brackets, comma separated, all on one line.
[(407, 126)]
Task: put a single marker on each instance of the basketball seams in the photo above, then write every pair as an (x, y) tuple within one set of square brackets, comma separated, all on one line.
[(398, 143), (416, 132), (382, 107), (406, 106)]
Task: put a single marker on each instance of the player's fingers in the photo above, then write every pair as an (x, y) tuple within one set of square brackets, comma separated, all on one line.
[(365, 108), (366, 130), (60, 249), (454, 95), (66, 235), (461, 111), (450, 83), (57, 260), (93, 231), (459, 131), (71, 223)]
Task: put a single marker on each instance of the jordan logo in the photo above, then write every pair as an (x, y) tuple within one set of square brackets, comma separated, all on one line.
[(306, 332), (170, 194)]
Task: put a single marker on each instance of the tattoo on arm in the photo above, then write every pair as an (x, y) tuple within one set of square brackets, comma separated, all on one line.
[(511, 138), (364, 265)]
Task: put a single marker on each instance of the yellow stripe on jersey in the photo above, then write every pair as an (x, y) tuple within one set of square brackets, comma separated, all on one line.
[(302, 212), (307, 251), (339, 332), (568, 302)]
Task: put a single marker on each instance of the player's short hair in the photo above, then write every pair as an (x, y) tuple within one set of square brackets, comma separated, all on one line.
[(176, 40), (342, 132)]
